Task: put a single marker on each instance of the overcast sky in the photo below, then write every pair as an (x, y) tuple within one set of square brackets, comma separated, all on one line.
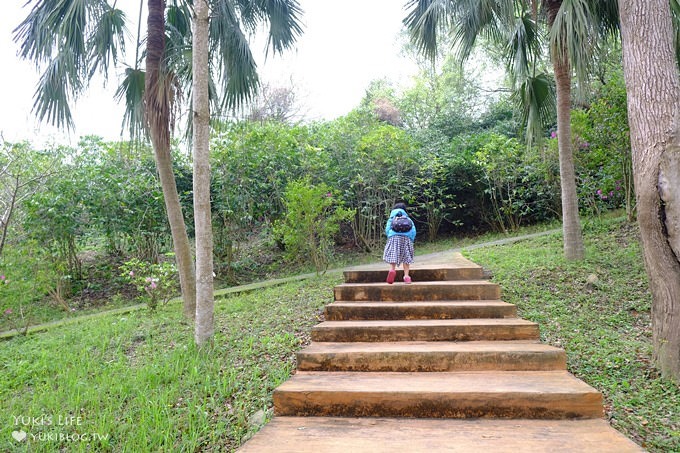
[(345, 45)]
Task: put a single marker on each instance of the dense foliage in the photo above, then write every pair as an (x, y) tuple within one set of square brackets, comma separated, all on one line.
[(77, 214)]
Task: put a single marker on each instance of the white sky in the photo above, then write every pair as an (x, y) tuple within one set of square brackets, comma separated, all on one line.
[(345, 45)]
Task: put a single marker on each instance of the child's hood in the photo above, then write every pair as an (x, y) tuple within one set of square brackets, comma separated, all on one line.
[(398, 211)]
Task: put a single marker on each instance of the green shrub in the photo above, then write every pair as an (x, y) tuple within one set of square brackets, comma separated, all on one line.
[(312, 219), (156, 282)]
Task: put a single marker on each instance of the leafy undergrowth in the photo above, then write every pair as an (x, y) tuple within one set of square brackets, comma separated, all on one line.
[(598, 310), (26, 301), (137, 383)]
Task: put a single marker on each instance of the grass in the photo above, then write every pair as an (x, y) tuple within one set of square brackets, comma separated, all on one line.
[(598, 310), (135, 382)]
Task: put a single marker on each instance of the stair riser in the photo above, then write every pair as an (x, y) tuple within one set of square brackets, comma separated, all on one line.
[(432, 361), (426, 333), (445, 405), (422, 292), (419, 275), (349, 313)]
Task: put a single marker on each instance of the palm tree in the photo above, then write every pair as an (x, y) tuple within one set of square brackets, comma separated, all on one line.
[(72, 40), (205, 302), (513, 26)]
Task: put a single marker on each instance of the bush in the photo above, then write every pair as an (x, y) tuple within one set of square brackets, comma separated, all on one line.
[(156, 282), (311, 221)]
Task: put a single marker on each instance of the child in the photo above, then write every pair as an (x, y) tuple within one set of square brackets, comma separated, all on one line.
[(399, 247)]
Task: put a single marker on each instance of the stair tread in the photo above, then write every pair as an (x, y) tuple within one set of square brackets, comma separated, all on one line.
[(482, 383), (431, 356), (417, 283), (422, 303), (430, 346), (448, 260), (424, 323), (388, 435)]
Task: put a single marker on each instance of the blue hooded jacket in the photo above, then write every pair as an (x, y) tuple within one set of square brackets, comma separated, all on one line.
[(390, 232)]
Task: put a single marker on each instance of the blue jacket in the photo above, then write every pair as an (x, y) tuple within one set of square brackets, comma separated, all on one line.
[(390, 232)]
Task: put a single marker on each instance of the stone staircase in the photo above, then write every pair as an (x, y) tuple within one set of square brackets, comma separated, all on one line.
[(439, 365)]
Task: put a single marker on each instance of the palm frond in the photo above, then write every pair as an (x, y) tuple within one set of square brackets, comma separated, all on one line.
[(68, 39), (131, 92), (107, 39), (178, 18), (523, 47), (73, 27), (607, 13), (491, 19), (178, 47), (250, 14), (238, 69), (55, 88), (38, 34), (465, 20), (425, 20), (284, 23), (535, 99), (573, 35)]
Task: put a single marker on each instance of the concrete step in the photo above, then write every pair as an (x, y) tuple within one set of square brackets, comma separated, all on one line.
[(390, 435), (507, 394), (418, 273), (432, 356), (426, 330), (418, 291), (449, 309)]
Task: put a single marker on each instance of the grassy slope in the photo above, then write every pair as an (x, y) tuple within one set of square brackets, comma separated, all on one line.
[(138, 379), (603, 325)]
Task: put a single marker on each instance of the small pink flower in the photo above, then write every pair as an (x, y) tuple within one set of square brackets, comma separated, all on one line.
[(2, 277), (153, 285), (132, 273), (329, 195), (148, 279), (553, 134), (8, 312), (599, 191)]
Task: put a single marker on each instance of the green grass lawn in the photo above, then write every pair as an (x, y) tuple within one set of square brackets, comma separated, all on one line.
[(603, 324), (135, 382)]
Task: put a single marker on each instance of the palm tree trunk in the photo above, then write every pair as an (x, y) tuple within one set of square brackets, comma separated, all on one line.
[(571, 225), (157, 109), (204, 327), (653, 87)]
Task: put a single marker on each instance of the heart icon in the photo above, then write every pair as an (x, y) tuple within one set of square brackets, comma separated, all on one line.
[(19, 435)]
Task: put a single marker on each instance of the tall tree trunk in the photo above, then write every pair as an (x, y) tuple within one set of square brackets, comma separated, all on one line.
[(7, 215), (202, 213), (571, 225), (158, 102), (653, 88)]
